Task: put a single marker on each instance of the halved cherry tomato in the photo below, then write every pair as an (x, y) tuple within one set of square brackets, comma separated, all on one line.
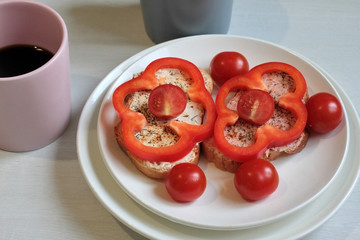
[(226, 65), (256, 179), (185, 182), (324, 112), (256, 106), (167, 101)]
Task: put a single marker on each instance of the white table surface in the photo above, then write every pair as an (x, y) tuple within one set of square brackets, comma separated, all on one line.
[(43, 193)]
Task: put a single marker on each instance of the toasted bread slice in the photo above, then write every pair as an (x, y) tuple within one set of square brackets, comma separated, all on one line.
[(157, 133), (242, 133)]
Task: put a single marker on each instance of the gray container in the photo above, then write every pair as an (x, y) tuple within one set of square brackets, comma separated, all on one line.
[(168, 19)]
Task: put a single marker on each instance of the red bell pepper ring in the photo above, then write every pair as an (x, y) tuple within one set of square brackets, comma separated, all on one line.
[(266, 136), (189, 134)]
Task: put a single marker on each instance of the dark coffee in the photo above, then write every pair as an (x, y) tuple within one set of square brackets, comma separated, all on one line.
[(20, 59)]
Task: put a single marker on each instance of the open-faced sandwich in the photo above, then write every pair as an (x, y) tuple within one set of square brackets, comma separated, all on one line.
[(161, 114), (265, 116)]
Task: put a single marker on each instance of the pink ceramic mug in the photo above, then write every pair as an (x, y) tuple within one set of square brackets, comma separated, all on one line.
[(35, 107)]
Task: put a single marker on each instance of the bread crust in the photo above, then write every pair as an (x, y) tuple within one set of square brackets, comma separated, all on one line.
[(193, 114), (213, 154)]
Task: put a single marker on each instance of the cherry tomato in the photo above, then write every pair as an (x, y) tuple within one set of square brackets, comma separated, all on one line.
[(185, 182), (167, 101), (255, 106), (256, 179), (324, 112), (226, 65)]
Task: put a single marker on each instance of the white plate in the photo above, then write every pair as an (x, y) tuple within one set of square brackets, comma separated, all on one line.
[(303, 176), (115, 200)]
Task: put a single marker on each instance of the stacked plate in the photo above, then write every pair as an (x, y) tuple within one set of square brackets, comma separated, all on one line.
[(318, 179)]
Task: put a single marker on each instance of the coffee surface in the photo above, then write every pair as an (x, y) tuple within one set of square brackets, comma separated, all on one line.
[(20, 59)]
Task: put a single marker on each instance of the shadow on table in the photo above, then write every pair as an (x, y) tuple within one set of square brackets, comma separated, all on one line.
[(108, 24)]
